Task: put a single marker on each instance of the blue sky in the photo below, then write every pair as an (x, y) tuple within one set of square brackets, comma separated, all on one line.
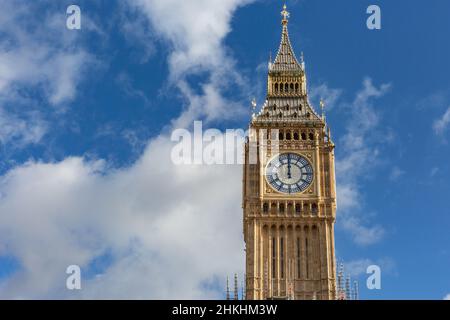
[(86, 116)]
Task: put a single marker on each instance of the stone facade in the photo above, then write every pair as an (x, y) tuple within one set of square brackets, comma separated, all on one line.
[(289, 236)]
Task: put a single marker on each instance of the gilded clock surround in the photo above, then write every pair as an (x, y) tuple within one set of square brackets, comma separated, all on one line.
[(289, 238), (308, 157)]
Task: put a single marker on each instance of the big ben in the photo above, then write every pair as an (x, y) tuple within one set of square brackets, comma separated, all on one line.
[(289, 189)]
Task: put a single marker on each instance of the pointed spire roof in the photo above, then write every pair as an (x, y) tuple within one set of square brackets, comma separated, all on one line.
[(236, 289), (285, 60), (287, 97)]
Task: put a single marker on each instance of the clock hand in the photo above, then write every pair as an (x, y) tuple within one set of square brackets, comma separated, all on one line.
[(289, 167)]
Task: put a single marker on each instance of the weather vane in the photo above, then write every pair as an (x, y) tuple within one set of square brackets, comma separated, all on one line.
[(285, 13)]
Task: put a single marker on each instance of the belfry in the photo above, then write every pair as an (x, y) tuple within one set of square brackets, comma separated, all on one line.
[(289, 189)]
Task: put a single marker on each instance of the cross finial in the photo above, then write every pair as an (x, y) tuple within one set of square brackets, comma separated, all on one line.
[(285, 14)]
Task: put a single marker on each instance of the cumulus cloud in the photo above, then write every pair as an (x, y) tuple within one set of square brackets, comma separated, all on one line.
[(447, 297), (441, 125), (150, 227), (38, 54), (195, 31), (152, 230), (359, 155), (169, 231)]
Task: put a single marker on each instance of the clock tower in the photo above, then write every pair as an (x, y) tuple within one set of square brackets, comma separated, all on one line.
[(289, 189)]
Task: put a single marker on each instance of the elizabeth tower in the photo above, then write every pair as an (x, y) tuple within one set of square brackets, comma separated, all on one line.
[(289, 189)]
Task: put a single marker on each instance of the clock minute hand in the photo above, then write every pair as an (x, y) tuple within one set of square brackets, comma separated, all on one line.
[(289, 168)]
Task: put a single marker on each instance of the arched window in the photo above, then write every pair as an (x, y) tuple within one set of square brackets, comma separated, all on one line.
[(289, 208), (296, 133), (299, 266), (281, 87), (281, 207), (311, 136), (286, 87), (307, 253), (303, 136), (292, 87), (282, 257), (274, 257), (296, 87), (276, 87), (273, 207), (298, 208), (265, 208), (281, 136), (314, 209), (288, 136)]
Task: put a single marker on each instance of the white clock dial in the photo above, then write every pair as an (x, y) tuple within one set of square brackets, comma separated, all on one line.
[(289, 173)]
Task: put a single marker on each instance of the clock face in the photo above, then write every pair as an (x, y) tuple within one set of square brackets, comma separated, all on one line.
[(289, 173)]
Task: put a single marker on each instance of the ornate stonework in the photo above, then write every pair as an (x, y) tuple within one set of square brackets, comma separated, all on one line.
[(289, 203)]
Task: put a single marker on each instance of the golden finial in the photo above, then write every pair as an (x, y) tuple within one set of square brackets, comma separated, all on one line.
[(285, 14), (254, 105)]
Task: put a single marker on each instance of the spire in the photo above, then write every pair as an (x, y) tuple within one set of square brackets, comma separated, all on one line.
[(322, 107), (287, 94), (348, 290), (285, 59), (340, 283), (244, 287), (355, 290), (236, 289), (285, 15)]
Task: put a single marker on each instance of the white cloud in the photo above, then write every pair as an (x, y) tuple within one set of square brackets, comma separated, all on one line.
[(166, 238), (329, 95), (37, 53), (171, 230), (396, 173), (441, 124), (356, 268), (195, 31), (447, 297), (359, 155), (434, 172), (28, 129)]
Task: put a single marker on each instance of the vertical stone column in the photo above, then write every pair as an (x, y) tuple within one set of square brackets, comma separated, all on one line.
[(270, 267), (277, 259), (318, 173)]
